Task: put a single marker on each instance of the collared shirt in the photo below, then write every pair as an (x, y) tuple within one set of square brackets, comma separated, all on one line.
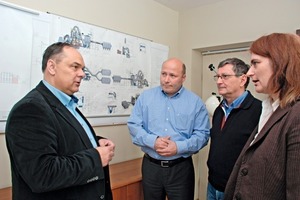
[(268, 107), (235, 104), (182, 116), (70, 102)]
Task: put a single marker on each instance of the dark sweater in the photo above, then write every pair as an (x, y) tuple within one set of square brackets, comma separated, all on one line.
[(226, 144)]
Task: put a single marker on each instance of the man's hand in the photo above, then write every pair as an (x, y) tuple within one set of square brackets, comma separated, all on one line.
[(106, 142), (164, 146), (106, 151)]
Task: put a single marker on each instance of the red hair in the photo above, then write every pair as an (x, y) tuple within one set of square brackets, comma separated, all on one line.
[(283, 49)]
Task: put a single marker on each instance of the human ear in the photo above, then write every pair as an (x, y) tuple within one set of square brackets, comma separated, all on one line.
[(51, 66)]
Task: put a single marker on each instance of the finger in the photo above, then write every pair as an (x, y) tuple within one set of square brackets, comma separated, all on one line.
[(166, 138)]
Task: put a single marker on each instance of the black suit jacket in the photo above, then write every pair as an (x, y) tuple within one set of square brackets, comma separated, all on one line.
[(51, 154)]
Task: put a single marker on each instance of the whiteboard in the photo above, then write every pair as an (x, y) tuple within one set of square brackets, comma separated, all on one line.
[(118, 66)]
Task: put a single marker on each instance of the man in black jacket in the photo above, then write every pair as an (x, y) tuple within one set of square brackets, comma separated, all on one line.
[(53, 149), (233, 122)]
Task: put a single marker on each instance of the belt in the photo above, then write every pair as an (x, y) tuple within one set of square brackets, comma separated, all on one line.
[(166, 163)]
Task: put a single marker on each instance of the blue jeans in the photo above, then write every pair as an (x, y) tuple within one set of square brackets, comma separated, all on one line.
[(213, 194)]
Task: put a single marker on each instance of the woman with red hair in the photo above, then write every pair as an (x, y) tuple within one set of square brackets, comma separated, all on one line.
[(269, 165)]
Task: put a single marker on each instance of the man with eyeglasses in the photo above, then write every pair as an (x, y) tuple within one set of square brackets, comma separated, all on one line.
[(232, 123)]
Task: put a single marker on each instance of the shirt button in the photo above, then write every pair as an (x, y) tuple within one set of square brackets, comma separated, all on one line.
[(244, 172), (166, 129), (167, 119), (102, 197)]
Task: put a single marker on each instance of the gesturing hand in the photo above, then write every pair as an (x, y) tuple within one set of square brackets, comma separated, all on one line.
[(106, 151)]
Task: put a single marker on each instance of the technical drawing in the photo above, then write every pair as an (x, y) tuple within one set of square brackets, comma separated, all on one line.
[(135, 80), (78, 39), (8, 77), (124, 51), (80, 102), (143, 48), (111, 108), (126, 104), (112, 95), (103, 72)]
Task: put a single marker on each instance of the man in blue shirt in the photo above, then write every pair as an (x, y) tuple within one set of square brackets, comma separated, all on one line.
[(170, 124)]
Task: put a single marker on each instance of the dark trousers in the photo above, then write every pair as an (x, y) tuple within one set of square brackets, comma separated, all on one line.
[(176, 182)]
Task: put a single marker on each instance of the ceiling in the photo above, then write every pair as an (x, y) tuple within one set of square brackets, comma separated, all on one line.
[(182, 5)]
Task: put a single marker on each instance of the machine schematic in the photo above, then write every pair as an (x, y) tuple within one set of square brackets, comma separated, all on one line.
[(117, 68)]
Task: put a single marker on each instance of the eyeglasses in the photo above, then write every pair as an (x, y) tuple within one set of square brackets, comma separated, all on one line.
[(224, 76)]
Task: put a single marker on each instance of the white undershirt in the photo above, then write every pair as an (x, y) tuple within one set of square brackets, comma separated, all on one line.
[(268, 107)]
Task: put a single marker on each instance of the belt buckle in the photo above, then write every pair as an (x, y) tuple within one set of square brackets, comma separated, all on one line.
[(164, 163)]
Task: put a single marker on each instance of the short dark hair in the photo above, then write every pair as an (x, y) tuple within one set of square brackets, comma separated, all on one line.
[(238, 66), (183, 69), (53, 50)]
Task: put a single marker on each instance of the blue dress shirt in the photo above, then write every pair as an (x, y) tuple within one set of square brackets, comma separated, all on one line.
[(182, 116), (70, 102), (235, 104)]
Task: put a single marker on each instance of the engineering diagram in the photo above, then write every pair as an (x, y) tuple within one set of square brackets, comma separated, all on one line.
[(99, 82), (78, 39), (137, 80)]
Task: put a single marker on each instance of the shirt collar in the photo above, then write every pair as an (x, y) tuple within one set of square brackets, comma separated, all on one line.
[(275, 105), (63, 97), (237, 102), (268, 103), (174, 95)]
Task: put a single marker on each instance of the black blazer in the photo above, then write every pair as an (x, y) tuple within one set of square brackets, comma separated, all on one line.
[(51, 155)]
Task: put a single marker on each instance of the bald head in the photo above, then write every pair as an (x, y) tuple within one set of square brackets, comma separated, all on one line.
[(175, 62), (172, 76)]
